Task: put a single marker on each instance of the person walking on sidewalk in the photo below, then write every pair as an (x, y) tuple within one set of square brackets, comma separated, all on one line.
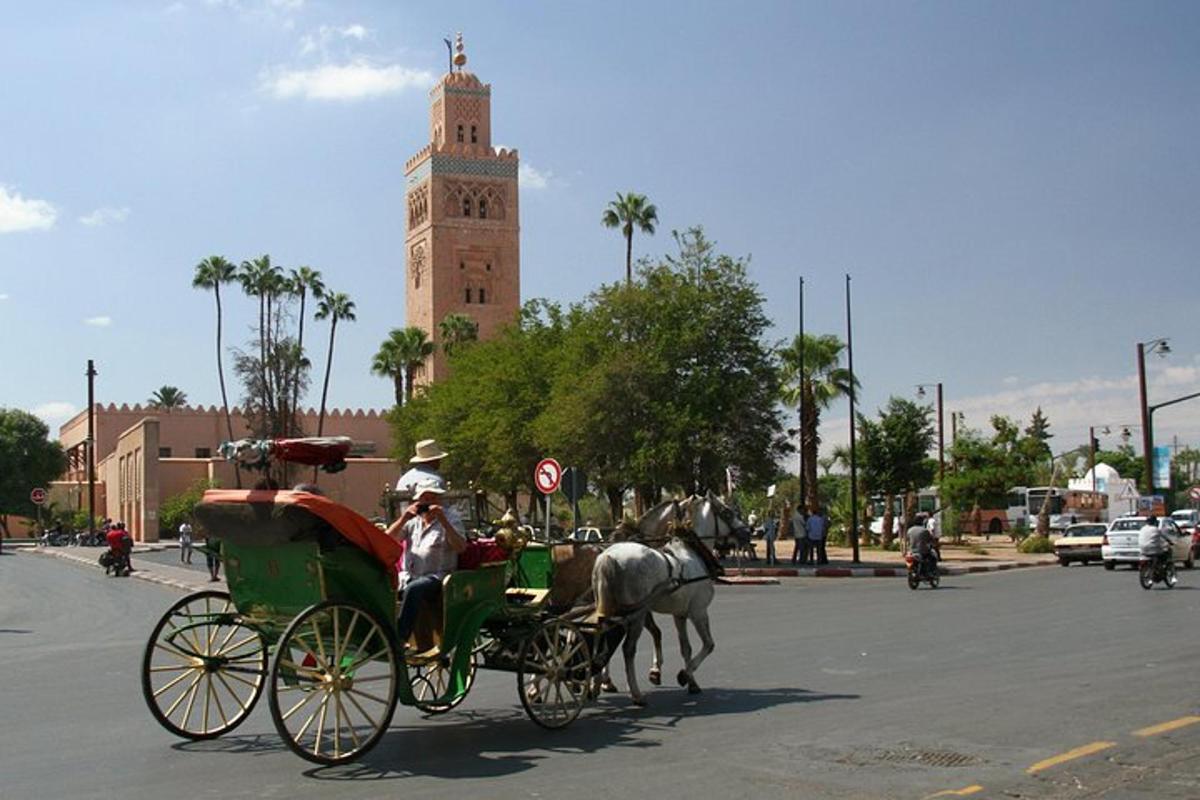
[(185, 542), (213, 559), (815, 529), (799, 535), (770, 533)]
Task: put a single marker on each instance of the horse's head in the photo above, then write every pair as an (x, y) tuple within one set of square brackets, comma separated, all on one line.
[(714, 520)]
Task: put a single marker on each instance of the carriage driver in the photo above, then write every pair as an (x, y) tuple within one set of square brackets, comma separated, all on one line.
[(430, 533), (425, 462)]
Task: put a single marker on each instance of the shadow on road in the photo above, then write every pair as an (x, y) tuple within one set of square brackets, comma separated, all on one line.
[(492, 743)]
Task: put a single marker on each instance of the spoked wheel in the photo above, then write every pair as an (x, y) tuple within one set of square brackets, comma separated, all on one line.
[(333, 682), (203, 669), (431, 681), (1146, 575), (1169, 576), (554, 675)]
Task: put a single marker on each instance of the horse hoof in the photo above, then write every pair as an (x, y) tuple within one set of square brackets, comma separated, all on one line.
[(683, 678), (693, 687), (609, 686), (656, 677), (640, 702)]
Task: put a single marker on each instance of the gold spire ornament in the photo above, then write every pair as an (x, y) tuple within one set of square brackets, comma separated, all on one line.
[(460, 56)]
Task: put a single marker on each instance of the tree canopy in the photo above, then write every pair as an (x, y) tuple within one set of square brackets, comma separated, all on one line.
[(28, 459)]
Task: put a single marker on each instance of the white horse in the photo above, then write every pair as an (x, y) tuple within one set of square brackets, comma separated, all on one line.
[(631, 580)]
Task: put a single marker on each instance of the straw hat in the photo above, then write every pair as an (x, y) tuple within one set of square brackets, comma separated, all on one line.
[(428, 450)]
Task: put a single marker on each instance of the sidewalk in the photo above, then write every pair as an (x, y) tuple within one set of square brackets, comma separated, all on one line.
[(187, 580), (997, 555)]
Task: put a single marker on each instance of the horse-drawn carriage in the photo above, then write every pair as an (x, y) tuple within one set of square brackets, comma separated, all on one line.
[(310, 617)]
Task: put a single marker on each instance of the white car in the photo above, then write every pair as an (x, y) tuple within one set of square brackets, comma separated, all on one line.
[(588, 535), (1121, 542)]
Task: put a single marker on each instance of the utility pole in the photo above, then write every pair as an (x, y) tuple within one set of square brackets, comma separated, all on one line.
[(941, 437), (853, 459), (1147, 435), (90, 449), (1092, 454), (800, 409)]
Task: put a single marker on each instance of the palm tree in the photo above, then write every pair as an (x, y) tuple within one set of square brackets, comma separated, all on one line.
[(820, 381), (457, 329), (210, 274), (303, 280), (334, 306), (413, 349), (628, 211), (167, 398), (386, 363), (261, 279)]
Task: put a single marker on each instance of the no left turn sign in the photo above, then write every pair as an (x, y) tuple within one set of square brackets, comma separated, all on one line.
[(37, 496), (547, 475), (1194, 493)]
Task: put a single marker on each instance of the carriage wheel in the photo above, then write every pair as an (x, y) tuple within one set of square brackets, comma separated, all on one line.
[(431, 681), (203, 669), (333, 682), (554, 674)]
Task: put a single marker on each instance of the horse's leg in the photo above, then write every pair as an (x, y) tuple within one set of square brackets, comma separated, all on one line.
[(685, 650), (629, 647), (655, 636), (700, 620)]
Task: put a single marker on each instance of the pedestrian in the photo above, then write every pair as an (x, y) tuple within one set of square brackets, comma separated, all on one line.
[(185, 542), (770, 532), (800, 536), (212, 558), (815, 529)]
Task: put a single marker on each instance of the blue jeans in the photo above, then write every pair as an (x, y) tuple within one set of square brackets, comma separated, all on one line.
[(419, 591)]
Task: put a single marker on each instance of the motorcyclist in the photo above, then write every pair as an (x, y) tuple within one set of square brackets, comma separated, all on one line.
[(920, 543), (120, 545), (1152, 542)]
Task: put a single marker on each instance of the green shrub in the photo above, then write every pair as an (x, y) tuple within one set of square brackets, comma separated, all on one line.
[(177, 508), (976, 550), (1036, 544)]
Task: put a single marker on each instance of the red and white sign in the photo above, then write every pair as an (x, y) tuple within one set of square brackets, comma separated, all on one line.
[(547, 476), (1194, 493), (38, 496)]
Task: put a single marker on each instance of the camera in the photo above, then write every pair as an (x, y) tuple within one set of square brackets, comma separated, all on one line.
[(422, 508)]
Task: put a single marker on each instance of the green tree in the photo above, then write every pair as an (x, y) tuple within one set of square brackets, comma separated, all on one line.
[(28, 459), (212, 273), (457, 330), (177, 509), (304, 281), (629, 211), (400, 356), (336, 307), (819, 381), (167, 398), (896, 454)]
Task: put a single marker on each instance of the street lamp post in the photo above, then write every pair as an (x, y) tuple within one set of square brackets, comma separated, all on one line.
[(800, 405), (940, 427), (853, 459), (1161, 347)]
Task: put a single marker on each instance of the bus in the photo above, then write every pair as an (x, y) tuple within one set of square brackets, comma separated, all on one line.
[(1067, 506)]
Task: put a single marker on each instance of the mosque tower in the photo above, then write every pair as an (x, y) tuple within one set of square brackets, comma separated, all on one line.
[(462, 250)]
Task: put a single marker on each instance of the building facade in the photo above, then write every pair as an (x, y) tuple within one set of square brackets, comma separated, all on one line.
[(462, 250)]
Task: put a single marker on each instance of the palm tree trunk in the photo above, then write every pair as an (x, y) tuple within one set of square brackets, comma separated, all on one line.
[(221, 378), (325, 388), (398, 385), (629, 257), (889, 520), (616, 496), (408, 383), (810, 444), (299, 357)]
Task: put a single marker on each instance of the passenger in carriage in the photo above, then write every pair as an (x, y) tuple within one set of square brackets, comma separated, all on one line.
[(425, 463), (432, 537)]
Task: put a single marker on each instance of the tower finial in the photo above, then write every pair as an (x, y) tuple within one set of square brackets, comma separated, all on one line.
[(460, 56)]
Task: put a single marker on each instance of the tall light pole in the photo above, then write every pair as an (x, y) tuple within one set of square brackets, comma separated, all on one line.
[(941, 430), (800, 407), (853, 459), (1161, 347), (90, 449)]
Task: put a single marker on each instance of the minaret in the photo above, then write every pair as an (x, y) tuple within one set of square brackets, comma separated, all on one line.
[(462, 251)]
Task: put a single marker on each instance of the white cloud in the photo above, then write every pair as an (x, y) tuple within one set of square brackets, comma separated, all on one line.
[(105, 215), (531, 177), (3, 297), (317, 42), (98, 322), (19, 213), (1011, 380), (355, 31), (54, 413), (356, 80)]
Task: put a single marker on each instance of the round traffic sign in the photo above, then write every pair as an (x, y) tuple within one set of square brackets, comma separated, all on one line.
[(547, 475), (37, 496), (1194, 493)]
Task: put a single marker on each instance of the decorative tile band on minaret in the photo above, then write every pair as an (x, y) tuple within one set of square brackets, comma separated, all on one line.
[(462, 248)]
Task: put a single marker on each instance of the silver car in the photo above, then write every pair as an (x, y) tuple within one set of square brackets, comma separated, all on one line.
[(1121, 542)]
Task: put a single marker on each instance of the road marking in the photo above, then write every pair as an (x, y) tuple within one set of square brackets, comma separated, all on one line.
[(1165, 727), (1070, 755), (963, 792)]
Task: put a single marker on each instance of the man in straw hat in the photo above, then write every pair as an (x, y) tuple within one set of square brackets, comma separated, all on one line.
[(425, 463)]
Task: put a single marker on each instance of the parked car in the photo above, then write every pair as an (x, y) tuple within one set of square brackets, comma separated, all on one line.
[(1080, 542), (1186, 517), (586, 535), (1121, 542)]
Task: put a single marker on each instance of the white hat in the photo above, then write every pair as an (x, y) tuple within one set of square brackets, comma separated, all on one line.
[(428, 450), (427, 487)]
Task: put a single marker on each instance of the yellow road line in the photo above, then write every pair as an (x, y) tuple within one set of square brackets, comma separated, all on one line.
[(1164, 727), (1070, 755), (963, 792)]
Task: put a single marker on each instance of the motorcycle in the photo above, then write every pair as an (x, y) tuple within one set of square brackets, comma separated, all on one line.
[(1160, 569), (922, 569)]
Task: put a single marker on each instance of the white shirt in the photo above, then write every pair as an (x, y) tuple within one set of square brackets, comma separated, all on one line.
[(185, 532), (419, 473), (1152, 541), (935, 526), (427, 552)]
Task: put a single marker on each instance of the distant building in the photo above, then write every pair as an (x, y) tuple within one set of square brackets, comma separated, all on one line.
[(462, 251), (146, 455)]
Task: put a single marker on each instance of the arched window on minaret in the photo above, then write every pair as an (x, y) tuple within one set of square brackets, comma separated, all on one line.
[(483, 208), (460, 133), (474, 137), (468, 293), (466, 206), (482, 296)]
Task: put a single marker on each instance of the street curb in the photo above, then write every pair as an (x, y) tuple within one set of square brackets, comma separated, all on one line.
[(749, 580), (140, 573), (875, 572)]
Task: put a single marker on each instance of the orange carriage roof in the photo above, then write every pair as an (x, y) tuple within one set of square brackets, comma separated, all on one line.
[(350, 524)]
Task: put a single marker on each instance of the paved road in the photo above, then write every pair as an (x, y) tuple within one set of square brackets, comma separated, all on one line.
[(822, 689)]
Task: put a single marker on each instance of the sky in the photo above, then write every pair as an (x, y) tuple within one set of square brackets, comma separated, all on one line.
[(1013, 186)]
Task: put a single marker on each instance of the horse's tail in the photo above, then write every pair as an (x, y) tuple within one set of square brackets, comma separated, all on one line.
[(604, 579)]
